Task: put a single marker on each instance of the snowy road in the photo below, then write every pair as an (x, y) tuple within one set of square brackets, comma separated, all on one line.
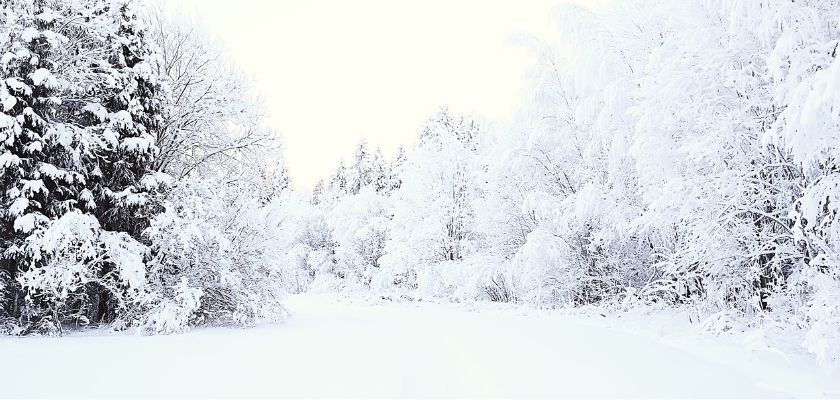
[(359, 350)]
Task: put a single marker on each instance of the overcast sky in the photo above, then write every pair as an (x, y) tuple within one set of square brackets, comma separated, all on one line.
[(334, 71)]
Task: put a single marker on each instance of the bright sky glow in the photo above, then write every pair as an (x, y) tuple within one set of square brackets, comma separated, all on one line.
[(334, 71)]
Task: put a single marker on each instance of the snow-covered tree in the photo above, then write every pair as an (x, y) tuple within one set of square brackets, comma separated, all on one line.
[(217, 256), (214, 124), (41, 155), (83, 101), (124, 181), (276, 181), (433, 215)]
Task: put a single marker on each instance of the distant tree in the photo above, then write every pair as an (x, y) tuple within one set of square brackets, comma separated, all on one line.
[(432, 221), (276, 181), (317, 192)]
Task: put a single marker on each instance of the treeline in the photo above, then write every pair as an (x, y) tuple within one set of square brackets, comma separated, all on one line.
[(670, 155)]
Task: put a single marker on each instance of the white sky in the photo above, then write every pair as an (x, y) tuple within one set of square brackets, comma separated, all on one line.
[(334, 71)]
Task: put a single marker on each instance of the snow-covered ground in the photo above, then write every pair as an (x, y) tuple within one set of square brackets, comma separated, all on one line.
[(409, 350)]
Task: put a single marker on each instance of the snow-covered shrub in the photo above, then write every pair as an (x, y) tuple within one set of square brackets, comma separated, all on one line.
[(216, 258), (358, 226), (476, 277), (76, 267), (315, 249), (174, 308), (301, 234), (500, 288)]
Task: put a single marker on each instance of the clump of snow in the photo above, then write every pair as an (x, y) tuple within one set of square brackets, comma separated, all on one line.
[(138, 144), (156, 180), (32, 186), (43, 77), (28, 222), (18, 86), (121, 119), (30, 33), (48, 15), (18, 206), (7, 101), (97, 110), (7, 159)]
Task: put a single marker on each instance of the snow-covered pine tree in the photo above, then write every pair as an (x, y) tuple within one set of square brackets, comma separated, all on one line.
[(369, 169), (337, 186), (360, 172), (40, 155), (317, 192), (394, 169), (381, 172), (124, 183)]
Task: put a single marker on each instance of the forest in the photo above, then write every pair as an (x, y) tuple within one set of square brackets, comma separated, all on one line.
[(668, 156)]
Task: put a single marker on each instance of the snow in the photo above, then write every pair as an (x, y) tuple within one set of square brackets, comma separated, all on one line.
[(7, 158), (336, 349), (97, 110), (137, 144), (7, 101), (48, 15), (52, 171), (18, 206), (128, 254), (32, 186), (29, 34), (18, 86), (154, 180), (27, 222), (43, 77), (121, 119), (665, 160)]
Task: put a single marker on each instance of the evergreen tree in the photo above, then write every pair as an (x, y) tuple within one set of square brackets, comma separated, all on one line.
[(393, 179), (359, 174), (39, 182), (381, 172), (317, 192), (123, 183), (338, 185)]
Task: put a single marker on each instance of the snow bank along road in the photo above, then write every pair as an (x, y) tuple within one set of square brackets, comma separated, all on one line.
[(415, 350)]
